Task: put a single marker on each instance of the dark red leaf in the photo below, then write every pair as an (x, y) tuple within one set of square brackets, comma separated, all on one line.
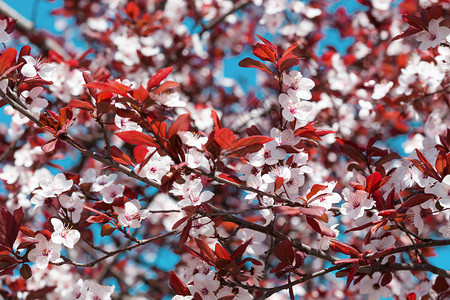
[(120, 157), (268, 43), (287, 210), (417, 200), (249, 141), (440, 285), (8, 228), (427, 164), (315, 189), (287, 62), (81, 105), (315, 211), (284, 252), (240, 250), (137, 138), (25, 271), (264, 52), (7, 60), (415, 22), (111, 87), (221, 252), (165, 86), (224, 137), (204, 248), (351, 275), (373, 182), (139, 153), (178, 285), (338, 246), (217, 124), (181, 124), (158, 77), (251, 63), (319, 227)]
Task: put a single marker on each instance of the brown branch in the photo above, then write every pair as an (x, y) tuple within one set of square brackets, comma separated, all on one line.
[(115, 252), (219, 19)]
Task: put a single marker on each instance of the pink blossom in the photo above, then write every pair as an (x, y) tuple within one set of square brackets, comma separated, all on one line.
[(64, 235), (57, 186), (111, 192), (433, 36), (44, 252), (131, 214), (35, 67), (298, 85), (294, 109), (356, 203), (4, 36)]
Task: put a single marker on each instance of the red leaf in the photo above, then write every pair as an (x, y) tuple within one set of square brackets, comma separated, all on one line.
[(251, 63), (290, 49), (243, 151), (158, 77), (415, 22), (272, 46), (96, 211), (81, 105), (178, 285), (373, 182), (165, 86), (351, 275), (49, 146), (250, 141), (7, 60), (137, 138), (287, 210), (315, 189), (278, 183), (120, 157), (410, 31), (320, 227), (441, 163), (427, 164), (181, 124), (240, 250), (217, 124), (338, 246), (224, 137), (140, 94), (8, 228), (139, 153), (264, 52), (417, 200), (221, 252), (287, 62), (204, 248), (315, 211), (112, 87), (284, 252)]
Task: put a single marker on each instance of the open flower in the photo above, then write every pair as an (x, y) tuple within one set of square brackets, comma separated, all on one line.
[(44, 252), (433, 36), (35, 67), (294, 109), (57, 186), (131, 214), (298, 85), (356, 203), (64, 235)]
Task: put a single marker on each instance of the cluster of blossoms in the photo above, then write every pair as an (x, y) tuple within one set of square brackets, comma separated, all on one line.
[(243, 192)]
